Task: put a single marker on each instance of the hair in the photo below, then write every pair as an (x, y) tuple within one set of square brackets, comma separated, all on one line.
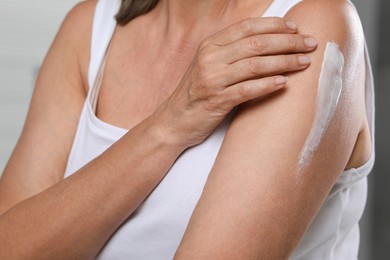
[(130, 9)]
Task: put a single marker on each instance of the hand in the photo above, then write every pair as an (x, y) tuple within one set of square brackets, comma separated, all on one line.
[(236, 64)]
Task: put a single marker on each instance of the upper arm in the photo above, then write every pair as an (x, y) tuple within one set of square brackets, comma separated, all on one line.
[(39, 158), (256, 203)]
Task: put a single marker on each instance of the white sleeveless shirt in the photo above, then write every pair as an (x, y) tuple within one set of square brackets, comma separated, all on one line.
[(155, 230)]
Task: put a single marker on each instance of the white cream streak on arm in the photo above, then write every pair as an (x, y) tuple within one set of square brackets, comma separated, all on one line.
[(329, 90)]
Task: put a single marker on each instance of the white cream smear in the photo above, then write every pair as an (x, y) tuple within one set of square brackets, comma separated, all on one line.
[(329, 90)]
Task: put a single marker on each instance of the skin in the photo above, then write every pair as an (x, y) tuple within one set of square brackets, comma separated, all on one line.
[(44, 213), (263, 207)]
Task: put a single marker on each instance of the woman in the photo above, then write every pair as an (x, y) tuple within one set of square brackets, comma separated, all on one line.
[(170, 71)]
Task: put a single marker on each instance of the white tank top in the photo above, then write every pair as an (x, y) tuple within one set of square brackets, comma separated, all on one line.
[(154, 231)]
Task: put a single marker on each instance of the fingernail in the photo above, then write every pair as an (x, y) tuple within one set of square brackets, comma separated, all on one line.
[(310, 42), (281, 80), (303, 60), (292, 25)]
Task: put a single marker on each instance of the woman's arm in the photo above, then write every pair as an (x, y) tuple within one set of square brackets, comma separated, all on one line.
[(43, 216), (256, 203), (46, 217), (39, 158)]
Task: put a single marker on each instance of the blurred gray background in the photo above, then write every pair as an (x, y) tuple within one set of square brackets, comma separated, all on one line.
[(28, 27)]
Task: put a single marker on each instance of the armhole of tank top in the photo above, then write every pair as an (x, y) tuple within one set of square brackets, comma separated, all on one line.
[(370, 100), (363, 170)]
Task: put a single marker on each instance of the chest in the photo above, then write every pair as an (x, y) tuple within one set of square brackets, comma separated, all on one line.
[(136, 80), (143, 68)]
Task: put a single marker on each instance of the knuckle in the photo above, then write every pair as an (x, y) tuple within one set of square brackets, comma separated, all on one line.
[(292, 43), (246, 26), (278, 23), (257, 43), (254, 66), (205, 81), (204, 60), (286, 63), (208, 83)]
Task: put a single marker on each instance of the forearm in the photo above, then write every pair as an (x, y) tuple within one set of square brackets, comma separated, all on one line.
[(74, 218)]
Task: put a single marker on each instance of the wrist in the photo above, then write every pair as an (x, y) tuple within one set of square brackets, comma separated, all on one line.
[(163, 128)]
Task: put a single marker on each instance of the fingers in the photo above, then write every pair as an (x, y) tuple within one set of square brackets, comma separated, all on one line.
[(267, 44), (258, 67), (250, 27), (251, 89)]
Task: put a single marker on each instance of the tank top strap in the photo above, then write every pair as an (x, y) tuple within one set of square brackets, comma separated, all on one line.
[(103, 27), (280, 8), (104, 24)]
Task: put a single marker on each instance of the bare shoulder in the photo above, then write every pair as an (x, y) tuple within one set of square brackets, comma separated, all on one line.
[(76, 34), (327, 19), (328, 8), (79, 18), (332, 21), (78, 22), (295, 107)]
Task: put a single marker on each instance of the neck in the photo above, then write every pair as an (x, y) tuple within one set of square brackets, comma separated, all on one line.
[(189, 13), (192, 18), (189, 10), (182, 24)]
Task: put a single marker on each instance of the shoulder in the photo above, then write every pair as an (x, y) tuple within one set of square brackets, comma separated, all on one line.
[(79, 19), (82, 10), (328, 9), (295, 107), (333, 21), (328, 20), (74, 36)]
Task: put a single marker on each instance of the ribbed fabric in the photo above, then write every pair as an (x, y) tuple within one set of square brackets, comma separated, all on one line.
[(156, 228)]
